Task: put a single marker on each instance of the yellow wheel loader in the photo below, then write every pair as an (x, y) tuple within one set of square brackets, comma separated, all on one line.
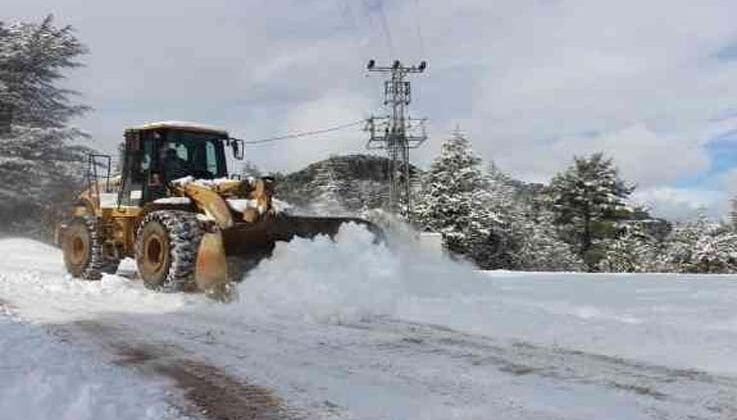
[(175, 210)]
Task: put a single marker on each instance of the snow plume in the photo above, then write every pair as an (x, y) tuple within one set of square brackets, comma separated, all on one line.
[(350, 279)]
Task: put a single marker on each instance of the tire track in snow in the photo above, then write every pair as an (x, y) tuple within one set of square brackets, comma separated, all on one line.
[(702, 394), (210, 392), (213, 393), (399, 350)]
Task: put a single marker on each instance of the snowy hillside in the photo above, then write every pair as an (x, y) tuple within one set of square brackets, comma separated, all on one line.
[(357, 180), (351, 330)]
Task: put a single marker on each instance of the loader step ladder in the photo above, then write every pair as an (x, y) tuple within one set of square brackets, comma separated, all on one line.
[(98, 169)]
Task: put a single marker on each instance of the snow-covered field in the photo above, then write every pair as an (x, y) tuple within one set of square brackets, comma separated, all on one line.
[(351, 330)]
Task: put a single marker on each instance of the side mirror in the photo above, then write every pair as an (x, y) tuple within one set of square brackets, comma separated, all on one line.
[(238, 147)]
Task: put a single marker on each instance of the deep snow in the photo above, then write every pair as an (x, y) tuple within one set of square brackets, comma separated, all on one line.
[(686, 321), (352, 330), (44, 378)]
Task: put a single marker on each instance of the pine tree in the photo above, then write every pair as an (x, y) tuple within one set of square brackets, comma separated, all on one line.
[(39, 165), (541, 249), (588, 199), (327, 186), (512, 220), (700, 246), (633, 251), (716, 253), (32, 60), (456, 201)]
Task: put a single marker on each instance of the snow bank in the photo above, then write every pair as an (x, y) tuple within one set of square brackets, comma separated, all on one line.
[(45, 379), (33, 278), (350, 278)]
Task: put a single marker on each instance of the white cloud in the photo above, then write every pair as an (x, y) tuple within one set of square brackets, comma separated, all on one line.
[(531, 81), (338, 108), (683, 203), (641, 154)]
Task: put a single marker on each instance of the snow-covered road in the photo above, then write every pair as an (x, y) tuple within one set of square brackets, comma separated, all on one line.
[(349, 330)]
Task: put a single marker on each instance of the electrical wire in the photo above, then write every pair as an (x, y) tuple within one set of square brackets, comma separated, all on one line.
[(419, 28), (374, 9), (385, 26), (304, 133)]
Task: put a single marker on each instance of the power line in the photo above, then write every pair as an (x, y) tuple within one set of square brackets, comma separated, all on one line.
[(376, 8), (385, 26), (304, 133), (419, 28)]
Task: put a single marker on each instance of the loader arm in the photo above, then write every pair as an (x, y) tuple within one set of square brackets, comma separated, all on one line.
[(211, 203)]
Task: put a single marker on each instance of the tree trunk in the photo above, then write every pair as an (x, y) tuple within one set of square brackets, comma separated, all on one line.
[(6, 119), (586, 239)]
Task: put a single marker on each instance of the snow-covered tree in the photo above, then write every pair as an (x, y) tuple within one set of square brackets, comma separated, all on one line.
[(513, 220), (716, 253), (700, 246), (33, 58), (588, 199), (39, 165), (541, 249), (327, 186), (633, 251), (456, 200)]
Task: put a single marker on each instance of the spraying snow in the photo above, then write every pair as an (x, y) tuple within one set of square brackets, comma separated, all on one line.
[(350, 279)]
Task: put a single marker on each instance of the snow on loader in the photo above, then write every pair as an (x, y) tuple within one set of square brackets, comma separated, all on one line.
[(175, 211)]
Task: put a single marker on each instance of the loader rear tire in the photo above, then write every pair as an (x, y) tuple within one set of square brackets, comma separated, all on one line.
[(82, 249), (166, 250)]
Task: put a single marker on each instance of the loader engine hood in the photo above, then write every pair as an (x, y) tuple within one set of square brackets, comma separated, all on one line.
[(219, 198)]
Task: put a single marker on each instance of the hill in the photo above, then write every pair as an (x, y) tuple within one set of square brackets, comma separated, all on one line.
[(360, 180)]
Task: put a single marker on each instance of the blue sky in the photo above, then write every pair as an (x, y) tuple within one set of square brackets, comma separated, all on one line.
[(532, 82), (722, 152)]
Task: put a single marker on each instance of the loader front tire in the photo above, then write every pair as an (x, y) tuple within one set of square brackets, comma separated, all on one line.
[(166, 250), (82, 249)]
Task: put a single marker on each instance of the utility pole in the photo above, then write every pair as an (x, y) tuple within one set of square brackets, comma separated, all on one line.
[(397, 132)]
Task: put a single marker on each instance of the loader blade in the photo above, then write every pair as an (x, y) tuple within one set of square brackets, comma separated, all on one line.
[(211, 274), (285, 228)]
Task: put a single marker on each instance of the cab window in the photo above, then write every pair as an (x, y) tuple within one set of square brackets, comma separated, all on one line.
[(192, 154)]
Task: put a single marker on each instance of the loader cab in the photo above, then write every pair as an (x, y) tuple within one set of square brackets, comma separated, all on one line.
[(158, 153)]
